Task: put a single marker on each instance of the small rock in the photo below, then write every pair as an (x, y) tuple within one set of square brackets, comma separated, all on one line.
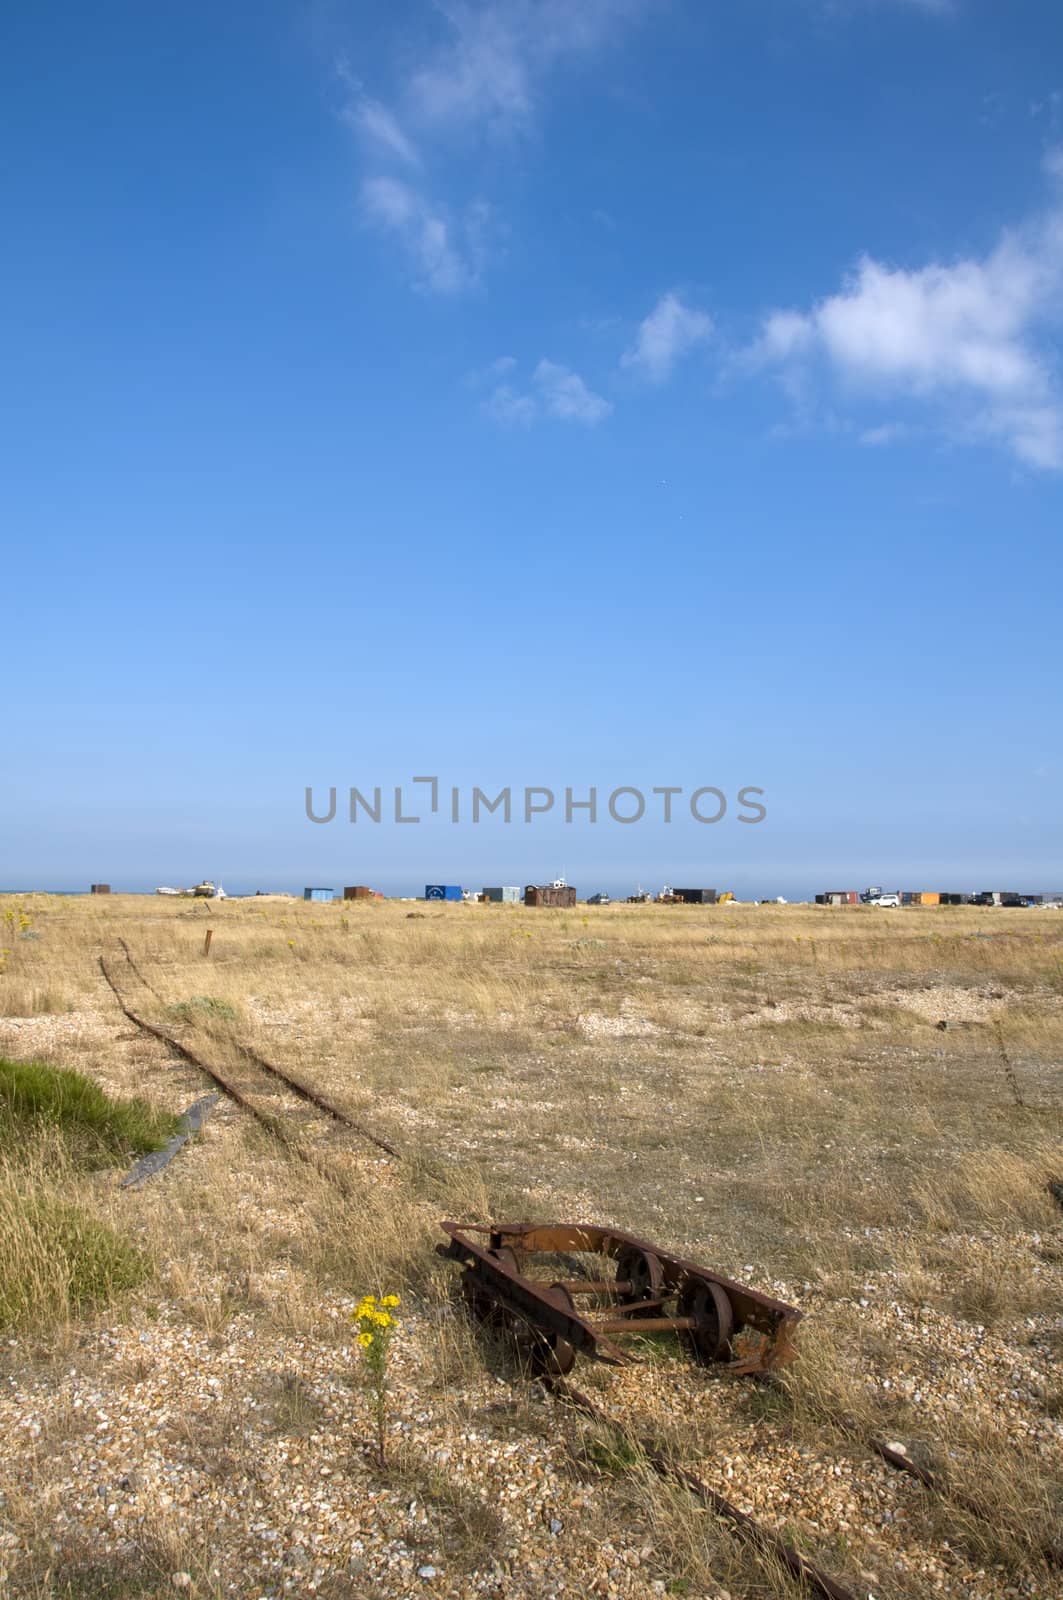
[(427, 1572), (181, 1580), (556, 1525)]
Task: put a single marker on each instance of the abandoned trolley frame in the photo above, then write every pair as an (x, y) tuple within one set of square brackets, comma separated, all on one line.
[(647, 1291)]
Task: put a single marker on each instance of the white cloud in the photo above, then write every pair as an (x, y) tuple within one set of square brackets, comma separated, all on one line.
[(565, 395), (885, 433), (488, 74), (490, 70), (670, 330), (965, 337), (440, 263), (382, 126), (556, 392), (508, 405)]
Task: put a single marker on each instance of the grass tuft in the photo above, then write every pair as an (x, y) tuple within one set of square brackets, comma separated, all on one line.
[(202, 1008), (34, 1093), (56, 1259)]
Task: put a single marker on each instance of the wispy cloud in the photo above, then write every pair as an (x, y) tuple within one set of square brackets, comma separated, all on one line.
[(565, 395), (555, 391), (382, 127), (884, 433), (445, 258), (507, 404), (490, 70), (670, 330), (486, 74), (970, 338)]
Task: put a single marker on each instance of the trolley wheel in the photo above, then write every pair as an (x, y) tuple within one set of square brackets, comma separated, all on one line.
[(710, 1338), (642, 1270), (544, 1354)]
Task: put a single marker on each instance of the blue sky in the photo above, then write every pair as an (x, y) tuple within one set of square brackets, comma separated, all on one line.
[(533, 392)]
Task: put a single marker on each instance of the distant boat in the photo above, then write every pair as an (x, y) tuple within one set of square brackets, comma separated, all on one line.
[(168, 891)]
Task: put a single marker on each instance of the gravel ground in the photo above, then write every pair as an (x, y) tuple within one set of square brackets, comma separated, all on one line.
[(252, 1445), (169, 1422), (240, 1446)]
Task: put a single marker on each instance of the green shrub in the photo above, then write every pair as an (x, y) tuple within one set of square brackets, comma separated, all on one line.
[(55, 1258), (202, 1008), (95, 1124)]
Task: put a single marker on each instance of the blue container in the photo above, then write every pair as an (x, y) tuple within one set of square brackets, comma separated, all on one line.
[(319, 894), (442, 891)]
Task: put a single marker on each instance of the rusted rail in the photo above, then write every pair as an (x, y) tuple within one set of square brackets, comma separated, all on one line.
[(716, 1318), (1047, 1549), (273, 1125), (797, 1565), (301, 1090)]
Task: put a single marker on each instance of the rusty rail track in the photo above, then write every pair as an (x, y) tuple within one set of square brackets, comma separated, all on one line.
[(934, 1483), (275, 1080), (799, 1566), (302, 1090)]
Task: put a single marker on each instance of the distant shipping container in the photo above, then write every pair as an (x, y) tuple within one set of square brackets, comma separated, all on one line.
[(841, 897), (442, 891), (358, 891), (319, 894), (100, 888), (548, 894), (507, 894), (696, 897)]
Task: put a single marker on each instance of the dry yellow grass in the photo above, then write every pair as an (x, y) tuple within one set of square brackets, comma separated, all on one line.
[(766, 1089)]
